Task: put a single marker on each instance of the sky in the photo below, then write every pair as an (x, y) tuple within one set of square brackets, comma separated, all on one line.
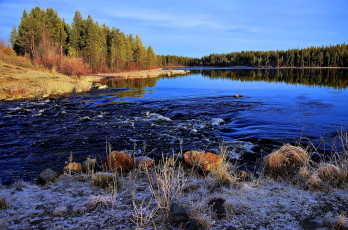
[(195, 28)]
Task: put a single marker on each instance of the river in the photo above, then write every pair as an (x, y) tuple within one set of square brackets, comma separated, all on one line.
[(251, 111)]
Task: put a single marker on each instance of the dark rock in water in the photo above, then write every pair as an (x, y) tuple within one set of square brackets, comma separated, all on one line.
[(178, 213), (218, 207), (46, 176), (89, 165), (193, 226)]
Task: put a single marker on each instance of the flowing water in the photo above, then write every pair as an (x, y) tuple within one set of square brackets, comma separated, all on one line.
[(165, 114)]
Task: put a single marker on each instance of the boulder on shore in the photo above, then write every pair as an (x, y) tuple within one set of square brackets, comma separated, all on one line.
[(207, 161), (46, 176), (118, 162), (73, 168), (144, 162), (89, 165)]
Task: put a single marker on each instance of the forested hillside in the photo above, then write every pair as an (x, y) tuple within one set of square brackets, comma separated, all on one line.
[(324, 56), (49, 40)]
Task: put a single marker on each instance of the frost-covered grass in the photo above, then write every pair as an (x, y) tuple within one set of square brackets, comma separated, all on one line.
[(74, 202)]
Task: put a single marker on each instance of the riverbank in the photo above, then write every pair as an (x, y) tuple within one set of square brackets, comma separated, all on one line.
[(172, 195), (24, 83)]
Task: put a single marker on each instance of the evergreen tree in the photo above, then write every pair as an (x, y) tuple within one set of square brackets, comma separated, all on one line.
[(13, 37)]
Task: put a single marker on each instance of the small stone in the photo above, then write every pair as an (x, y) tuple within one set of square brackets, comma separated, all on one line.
[(3, 204), (144, 162), (178, 213), (89, 165), (193, 226), (46, 176), (218, 207)]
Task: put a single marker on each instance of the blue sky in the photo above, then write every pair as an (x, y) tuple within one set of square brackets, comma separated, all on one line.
[(200, 27)]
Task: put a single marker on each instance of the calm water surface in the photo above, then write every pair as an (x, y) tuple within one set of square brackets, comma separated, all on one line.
[(156, 114)]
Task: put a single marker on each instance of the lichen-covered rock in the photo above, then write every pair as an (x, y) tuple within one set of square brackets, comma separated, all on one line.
[(73, 168), (144, 162), (89, 165), (207, 161), (118, 162), (46, 176)]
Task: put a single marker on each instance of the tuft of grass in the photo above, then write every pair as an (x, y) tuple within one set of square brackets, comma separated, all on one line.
[(166, 184), (99, 203), (330, 173), (286, 161)]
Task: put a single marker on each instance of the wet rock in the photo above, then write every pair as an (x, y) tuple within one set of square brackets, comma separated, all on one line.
[(89, 165), (86, 118), (72, 168), (218, 207), (144, 162), (178, 213), (207, 161), (46, 176), (118, 162), (193, 226), (237, 95)]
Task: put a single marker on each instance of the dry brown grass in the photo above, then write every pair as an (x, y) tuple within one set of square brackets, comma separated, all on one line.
[(330, 173), (341, 222), (99, 202), (286, 161), (166, 184)]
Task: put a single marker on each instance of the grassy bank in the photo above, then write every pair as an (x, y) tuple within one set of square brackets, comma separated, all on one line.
[(20, 78)]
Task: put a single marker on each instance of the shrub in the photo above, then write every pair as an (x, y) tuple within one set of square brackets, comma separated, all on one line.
[(73, 67)]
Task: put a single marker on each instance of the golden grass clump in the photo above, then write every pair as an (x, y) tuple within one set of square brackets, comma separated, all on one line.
[(104, 180), (166, 184), (341, 222), (99, 202), (314, 182), (286, 161), (329, 173)]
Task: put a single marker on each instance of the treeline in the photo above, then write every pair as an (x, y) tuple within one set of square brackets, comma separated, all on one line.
[(47, 39), (324, 56)]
